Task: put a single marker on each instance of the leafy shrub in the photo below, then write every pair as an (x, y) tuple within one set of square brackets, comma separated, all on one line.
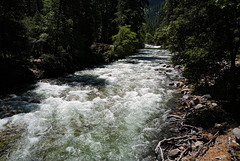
[(125, 43)]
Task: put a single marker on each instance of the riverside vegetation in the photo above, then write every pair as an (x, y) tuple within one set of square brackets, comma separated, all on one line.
[(45, 38), (42, 38)]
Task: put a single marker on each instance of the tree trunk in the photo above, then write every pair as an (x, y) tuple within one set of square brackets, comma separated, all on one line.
[(38, 6), (57, 28)]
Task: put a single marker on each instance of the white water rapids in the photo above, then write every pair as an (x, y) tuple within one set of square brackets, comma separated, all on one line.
[(112, 112)]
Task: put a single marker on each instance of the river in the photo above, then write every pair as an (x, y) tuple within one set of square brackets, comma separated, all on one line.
[(110, 112)]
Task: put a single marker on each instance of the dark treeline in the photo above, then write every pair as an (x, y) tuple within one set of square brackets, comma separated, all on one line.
[(155, 13), (55, 36), (204, 37)]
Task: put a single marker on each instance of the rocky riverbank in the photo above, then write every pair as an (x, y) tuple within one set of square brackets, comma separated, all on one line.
[(201, 129)]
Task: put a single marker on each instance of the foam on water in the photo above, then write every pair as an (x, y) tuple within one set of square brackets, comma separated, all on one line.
[(107, 113)]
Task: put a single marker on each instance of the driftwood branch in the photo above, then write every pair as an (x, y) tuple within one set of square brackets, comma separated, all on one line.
[(204, 146), (182, 154)]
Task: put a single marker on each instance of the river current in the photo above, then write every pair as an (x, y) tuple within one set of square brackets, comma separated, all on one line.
[(111, 112)]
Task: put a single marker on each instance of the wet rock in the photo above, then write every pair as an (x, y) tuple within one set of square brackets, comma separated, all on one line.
[(8, 115), (171, 84), (14, 111), (185, 91), (168, 66), (236, 132), (206, 97), (159, 157), (178, 67), (186, 97), (191, 103), (198, 106), (174, 152), (197, 100), (180, 84), (169, 71)]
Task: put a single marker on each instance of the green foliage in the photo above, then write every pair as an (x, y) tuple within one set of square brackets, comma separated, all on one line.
[(60, 32), (155, 15), (203, 35), (131, 12), (125, 43), (149, 38), (160, 36)]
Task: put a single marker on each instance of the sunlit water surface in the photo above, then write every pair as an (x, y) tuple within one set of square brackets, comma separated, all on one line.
[(112, 112)]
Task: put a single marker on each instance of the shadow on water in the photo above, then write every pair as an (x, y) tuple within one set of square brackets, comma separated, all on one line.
[(83, 80), (26, 100), (149, 58), (22, 101)]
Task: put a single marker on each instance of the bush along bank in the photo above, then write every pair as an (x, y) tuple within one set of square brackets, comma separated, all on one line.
[(201, 129)]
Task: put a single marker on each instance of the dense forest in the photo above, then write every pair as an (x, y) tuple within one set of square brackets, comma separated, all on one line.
[(46, 37), (155, 14), (204, 37)]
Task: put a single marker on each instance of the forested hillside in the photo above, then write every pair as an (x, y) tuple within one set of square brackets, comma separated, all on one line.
[(204, 37), (47, 37), (155, 14)]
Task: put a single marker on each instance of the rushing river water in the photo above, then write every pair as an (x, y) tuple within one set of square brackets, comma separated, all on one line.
[(113, 112)]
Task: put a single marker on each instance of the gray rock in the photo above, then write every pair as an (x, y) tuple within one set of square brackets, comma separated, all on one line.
[(214, 105), (197, 100), (207, 96), (169, 71), (198, 143), (185, 91), (174, 152), (180, 84), (198, 106), (191, 103), (186, 97), (236, 132)]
